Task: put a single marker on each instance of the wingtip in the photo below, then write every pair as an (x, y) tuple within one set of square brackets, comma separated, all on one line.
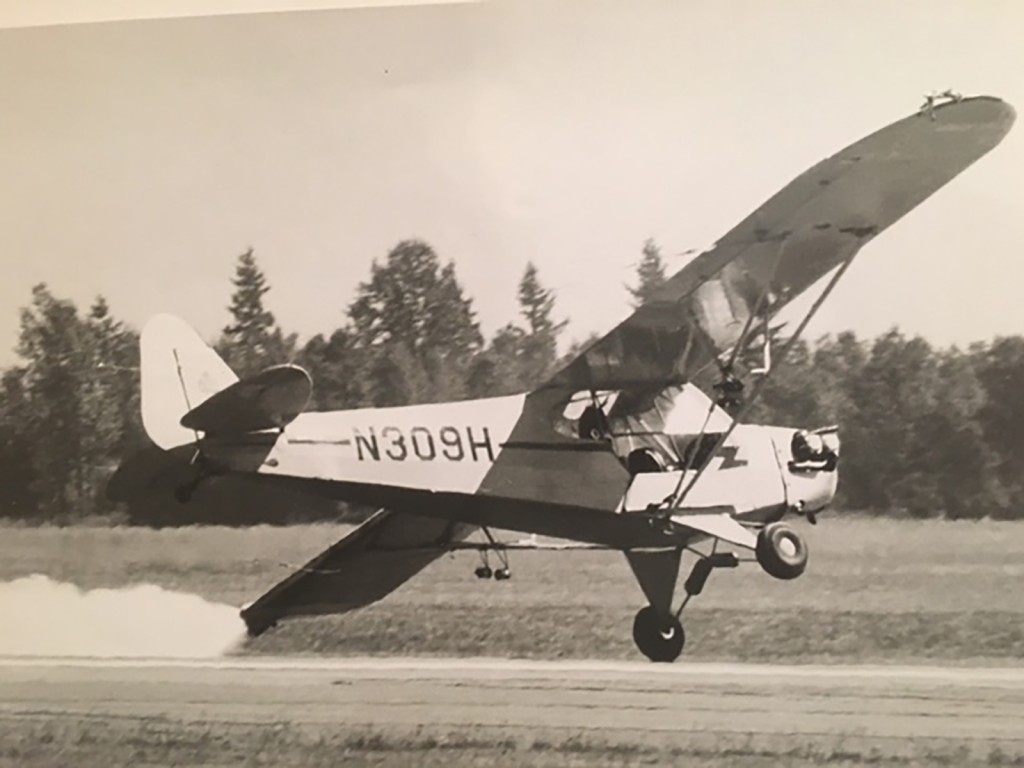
[(1009, 110), (982, 108), (987, 118), (255, 625), (1006, 109)]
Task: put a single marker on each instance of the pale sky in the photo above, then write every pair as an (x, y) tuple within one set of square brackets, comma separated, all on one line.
[(139, 158)]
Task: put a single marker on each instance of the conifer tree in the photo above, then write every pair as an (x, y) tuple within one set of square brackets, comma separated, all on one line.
[(498, 370), (253, 340), (19, 493), (337, 368), (413, 303), (51, 343), (110, 407), (539, 344), (999, 367), (650, 274)]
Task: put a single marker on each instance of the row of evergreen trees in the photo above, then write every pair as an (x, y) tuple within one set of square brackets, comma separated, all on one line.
[(926, 432)]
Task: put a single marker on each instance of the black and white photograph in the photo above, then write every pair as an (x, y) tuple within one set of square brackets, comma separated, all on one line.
[(511, 382)]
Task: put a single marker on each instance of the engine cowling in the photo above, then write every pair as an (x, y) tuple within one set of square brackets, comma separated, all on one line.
[(816, 450), (812, 469)]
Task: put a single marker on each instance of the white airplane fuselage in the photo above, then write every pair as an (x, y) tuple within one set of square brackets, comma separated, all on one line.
[(460, 447)]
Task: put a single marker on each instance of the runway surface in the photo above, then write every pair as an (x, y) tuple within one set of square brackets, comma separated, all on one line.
[(887, 703)]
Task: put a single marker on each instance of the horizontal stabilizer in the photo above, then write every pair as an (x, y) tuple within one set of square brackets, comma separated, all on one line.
[(720, 525), (269, 400)]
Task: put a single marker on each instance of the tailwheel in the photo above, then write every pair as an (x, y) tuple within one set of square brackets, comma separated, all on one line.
[(659, 637), (781, 551)]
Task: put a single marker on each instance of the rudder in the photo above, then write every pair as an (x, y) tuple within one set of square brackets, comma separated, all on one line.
[(178, 372)]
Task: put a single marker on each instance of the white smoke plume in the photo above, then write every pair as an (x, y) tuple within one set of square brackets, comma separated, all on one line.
[(42, 617)]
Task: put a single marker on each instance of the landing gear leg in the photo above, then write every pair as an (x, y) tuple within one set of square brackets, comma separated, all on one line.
[(657, 629)]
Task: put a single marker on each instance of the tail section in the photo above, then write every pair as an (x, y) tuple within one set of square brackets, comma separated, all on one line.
[(179, 372), (190, 395)]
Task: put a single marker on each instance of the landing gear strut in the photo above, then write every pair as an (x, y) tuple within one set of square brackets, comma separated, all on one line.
[(657, 630)]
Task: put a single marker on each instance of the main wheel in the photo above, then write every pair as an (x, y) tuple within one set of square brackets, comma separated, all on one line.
[(781, 551), (659, 638)]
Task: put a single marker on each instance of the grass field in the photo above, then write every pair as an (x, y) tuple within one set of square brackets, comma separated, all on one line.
[(43, 741), (878, 590)]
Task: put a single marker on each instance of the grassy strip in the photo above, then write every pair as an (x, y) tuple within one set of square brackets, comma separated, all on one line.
[(876, 590), (572, 632), (46, 740), (856, 564)]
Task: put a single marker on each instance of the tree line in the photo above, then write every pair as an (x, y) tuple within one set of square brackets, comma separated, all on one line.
[(927, 431)]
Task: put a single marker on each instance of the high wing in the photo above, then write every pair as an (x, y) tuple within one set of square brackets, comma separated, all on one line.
[(816, 223)]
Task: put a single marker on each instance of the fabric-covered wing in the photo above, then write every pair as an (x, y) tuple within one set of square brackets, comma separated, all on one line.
[(817, 222), (362, 568)]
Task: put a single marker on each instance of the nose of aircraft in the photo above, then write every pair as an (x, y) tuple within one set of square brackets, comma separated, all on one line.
[(811, 472), (816, 491)]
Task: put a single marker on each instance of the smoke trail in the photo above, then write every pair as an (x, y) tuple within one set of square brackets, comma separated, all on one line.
[(42, 617)]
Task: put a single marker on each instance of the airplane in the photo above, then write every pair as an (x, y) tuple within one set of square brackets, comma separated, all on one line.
[(636, 445)]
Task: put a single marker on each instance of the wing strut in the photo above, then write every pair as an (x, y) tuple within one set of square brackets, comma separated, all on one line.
[(726, 370), (679, 495), (741, 342)]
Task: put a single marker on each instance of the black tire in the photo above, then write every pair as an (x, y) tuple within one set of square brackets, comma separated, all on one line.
[(781, 551), (659, 638)]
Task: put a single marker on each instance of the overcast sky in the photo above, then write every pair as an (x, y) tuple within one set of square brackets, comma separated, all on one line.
[(139, 158)]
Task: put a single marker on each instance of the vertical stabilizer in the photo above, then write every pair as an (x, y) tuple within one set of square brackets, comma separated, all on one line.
[(179, 371)]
